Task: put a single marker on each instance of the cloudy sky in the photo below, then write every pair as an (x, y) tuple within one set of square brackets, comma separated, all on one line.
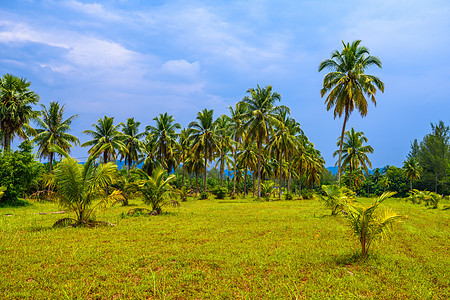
[(141, 58)]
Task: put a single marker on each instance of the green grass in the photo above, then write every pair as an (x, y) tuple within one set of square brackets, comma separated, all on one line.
[(222, 249)]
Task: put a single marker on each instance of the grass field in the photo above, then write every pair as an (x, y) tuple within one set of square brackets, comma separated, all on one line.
[(222, 249)]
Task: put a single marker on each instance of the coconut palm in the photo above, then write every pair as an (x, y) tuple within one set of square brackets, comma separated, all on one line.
[(247, 160), (236, 129), (183, 149), (260, 118), (148, 155), (16, 111), (53, 131), (336, 197), (225, 144), (204, 137), (347, 84), (166, 139), (132, 139), (411, 170), (81, 188), (105, 133), (155, 189), (355, 152), (367, 224)]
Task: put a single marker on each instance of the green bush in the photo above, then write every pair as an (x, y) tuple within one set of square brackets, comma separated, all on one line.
[(307, 194), (19, 172), (204, 195), (220, 192), (288, 196)]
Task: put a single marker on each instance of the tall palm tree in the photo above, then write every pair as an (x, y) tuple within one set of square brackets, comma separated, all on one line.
[(53, 131), (236, 129), (411, 170), (247, 159), (347, 84), (204, 136), (225, 144), (166, 139), (16, 100), (183, 150), (355, 152), (148, 155), (260, 118), (105, 133), (132, 140)]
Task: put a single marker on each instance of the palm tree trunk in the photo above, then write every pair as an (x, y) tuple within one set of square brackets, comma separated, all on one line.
[(340, 146), (410, 185), (221, 172), (50, 162), (234, 175), (7, 141), (182, 178), (300, 182), (245, 183), (105, 157), (206, 162), (289, 174), (279, 170), (259, 169), (254, 182)]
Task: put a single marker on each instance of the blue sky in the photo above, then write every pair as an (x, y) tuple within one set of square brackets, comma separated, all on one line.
[(141, 58)]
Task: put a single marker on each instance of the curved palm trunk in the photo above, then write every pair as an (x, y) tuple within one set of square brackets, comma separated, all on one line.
[(340, 146)]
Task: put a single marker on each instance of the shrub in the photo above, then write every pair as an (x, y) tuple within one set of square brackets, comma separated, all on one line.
[(336, 197), (288, 196), (204, 195), (220, 192), (307, 194)]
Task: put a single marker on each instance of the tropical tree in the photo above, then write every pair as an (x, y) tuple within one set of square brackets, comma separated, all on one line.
[(367, 224), (336, 197), (204, 137), (82, 188), (148, 155), (411, 170), (260, 118), (236, 129), (183, 150), (347, 84), (132, 139), (225, 144), (247, 160), (16, 111), (53, 131), (105, 133), (166, 139), (155, 189), (355, 152)]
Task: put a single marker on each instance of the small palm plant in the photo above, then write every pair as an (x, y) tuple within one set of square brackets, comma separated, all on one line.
[(368, 224), (267, 189), (336, 197), (155, 190), (82, 188)]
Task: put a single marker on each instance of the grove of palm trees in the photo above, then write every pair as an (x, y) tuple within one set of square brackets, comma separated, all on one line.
[(225, 207)]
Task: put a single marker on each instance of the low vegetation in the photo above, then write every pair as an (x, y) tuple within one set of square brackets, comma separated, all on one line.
[(222, 249)]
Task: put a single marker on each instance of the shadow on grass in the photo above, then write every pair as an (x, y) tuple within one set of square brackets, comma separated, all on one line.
[(348, 259), (17, 203)]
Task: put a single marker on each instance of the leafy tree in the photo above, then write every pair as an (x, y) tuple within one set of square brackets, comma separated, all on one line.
[(367, 224), (204, 137), (132, 140), (105, 133), (19, 172), (347, 84), (16, 100), (53, 130), (355, 152), (260, 118), (166, 139)]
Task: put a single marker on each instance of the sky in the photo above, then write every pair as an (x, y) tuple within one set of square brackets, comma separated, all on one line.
[(138, 59)]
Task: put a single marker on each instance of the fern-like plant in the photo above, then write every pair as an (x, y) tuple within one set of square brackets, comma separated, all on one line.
[(336, 197), (368, 224)]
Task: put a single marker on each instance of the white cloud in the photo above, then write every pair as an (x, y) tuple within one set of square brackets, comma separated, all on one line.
[(181, 68), (94, 9)]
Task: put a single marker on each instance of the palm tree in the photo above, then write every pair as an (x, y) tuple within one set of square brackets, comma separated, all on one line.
[(347, 85), (260, 118), (155, 189), (183, 150), (247, 159), (411, 170), (148, 155), (53, 131), (81, 188), (132, 140), (237, 120), (166, 139), (105, 133), (355, 154), (16, 110), (204, 137), (224, 144), (367, 224)]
